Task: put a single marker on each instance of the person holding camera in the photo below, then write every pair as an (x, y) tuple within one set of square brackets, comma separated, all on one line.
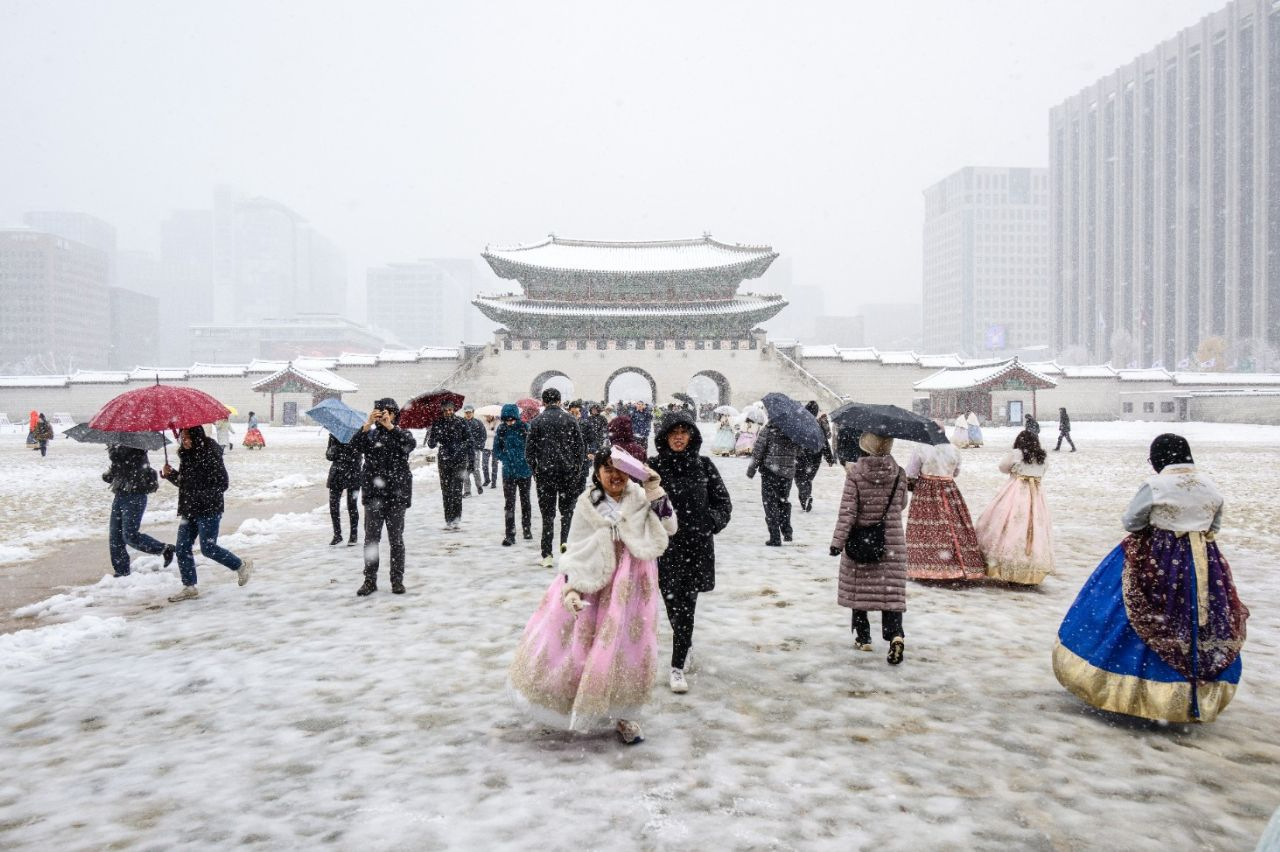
[(386, 489), (872, 546)]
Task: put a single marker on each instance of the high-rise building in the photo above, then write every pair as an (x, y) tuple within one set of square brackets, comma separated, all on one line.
[(83, 228), (1166, 199), (986, 261), (424, 303), (54, 305), (135, 324)]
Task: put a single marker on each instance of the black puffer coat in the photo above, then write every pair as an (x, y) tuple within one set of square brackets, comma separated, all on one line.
[(131, 471), (702, 506), (593, 428), (344, 473), (451, 439), (201, 477), (386, 477), (554, 449)]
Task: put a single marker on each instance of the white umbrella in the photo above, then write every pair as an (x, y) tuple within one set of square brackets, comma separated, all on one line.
[(726, 409), (489, 411), (755, 412)]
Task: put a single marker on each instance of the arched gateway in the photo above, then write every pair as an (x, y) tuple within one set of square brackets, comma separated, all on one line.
[(616, 387)]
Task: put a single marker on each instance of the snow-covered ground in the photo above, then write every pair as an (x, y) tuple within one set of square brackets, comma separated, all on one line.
[(289, 713)]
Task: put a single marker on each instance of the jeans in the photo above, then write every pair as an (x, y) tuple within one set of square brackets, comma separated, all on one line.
[(451, 479), (335, 510), (553, 491), (1062, 436), (890, 625), (680, 608), (489, 467), (774, 491), (807, 467), (511, 488), (126, 518), (207, 529), (376, 514), (475, 472), (44, 448)]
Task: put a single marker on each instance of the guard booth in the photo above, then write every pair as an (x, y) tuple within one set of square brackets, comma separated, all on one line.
[(998, 393), (294, 385)]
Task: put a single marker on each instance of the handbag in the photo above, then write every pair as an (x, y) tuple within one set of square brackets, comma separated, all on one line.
[(865, 545)]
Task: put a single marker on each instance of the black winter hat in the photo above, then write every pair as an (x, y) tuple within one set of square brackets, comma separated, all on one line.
[(387, 404), (550, 396)]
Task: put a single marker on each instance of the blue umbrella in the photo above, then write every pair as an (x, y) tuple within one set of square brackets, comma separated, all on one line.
[(342, 421), (794, 421)]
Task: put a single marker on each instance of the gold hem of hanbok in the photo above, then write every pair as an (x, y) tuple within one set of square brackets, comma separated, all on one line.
[(1135, 696)]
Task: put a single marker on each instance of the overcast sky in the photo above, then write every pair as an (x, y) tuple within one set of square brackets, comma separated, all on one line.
[(405, 130)]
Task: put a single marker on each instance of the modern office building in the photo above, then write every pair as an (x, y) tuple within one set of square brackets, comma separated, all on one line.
[(135, 326), (83, 228), (1165, 200), (426, 302), (986, 262)]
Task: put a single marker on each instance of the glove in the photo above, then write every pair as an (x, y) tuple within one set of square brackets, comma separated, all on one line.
[(653, 486), (106, 477), (573, 602), (835, 551), (751, 471)]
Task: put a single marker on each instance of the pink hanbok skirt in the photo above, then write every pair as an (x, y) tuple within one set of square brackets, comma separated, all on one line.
[(745, 444), (586, 672), (1014, 533)]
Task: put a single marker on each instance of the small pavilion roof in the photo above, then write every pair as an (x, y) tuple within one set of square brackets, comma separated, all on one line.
[(631, 258), (976, 377), (314, 377)]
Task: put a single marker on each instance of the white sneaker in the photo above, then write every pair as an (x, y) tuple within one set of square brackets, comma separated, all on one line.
[(245, 572), (547, 562), (678, 684), (187, 593)]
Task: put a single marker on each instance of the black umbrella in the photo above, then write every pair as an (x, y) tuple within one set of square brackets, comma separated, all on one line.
[(794, 421), (888, 421), (138, 440)]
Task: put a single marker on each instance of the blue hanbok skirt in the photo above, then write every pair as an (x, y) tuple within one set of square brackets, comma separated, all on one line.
[(1100, 657)]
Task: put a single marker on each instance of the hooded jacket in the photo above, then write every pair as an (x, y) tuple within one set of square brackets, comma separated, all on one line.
[(622, 437), (775, 452), (702, 503), (509, 444), (201, 477)]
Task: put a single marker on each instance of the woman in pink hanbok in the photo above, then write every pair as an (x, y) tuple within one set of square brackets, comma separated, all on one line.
[(1014, 531), (589, 655)]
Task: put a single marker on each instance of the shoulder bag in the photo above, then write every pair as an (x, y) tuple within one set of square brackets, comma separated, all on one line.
[(865, 545)]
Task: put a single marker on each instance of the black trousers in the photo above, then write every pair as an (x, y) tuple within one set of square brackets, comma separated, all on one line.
[(774, 493), (451, 491), (510, 489), (553, 492), (1065, 436), (377, 514), (680, 609), (335, 507), (890, 625), (807, 467)]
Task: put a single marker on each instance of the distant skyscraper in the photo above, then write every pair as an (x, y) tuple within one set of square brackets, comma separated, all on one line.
[(424, 303), (135, 323), (1166, 198), (986, 261), (83, 228), (54, 304)]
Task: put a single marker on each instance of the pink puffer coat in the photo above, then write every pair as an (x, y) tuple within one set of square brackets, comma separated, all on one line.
[(868, 487)]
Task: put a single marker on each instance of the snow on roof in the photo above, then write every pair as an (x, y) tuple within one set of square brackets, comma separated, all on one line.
[(1151, 374), (33, 381), (314, 363), (439, 352), (258, 365), (828, 351), (940, 361), (1264, 379), (558, 254), (322, 378), (139, 374), (216, 370), (1095, 371), (357, 359), (973, 376), (1045, 368), (860, 353), (398, 355), (899, 357), (98, 377), (737, 306)]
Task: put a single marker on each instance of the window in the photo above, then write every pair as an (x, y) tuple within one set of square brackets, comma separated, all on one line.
[(1166, 407), (1148, 408), (1127, 407)]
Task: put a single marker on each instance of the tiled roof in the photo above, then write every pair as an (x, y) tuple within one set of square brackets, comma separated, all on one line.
[(974, 376), (1153, 374), (563, 255), (1094, 371), (96, 377), (33, 381), (165, 374), (496, 308), (319, 377), (216, 370), (1204, 379)]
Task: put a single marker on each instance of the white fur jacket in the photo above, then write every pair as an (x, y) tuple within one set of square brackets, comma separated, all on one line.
[(590, 560)]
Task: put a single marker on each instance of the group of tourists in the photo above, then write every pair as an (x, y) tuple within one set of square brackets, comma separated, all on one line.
[(1156, 632)]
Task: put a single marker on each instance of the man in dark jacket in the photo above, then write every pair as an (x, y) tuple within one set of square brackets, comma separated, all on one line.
[(848, 444), (1064, 431), (386, 488), (479, 437), (774, 455), (809, 463), (703, 507), (594, 428), (344, 475), (641, 423), (555, 452), (451, 439), (131, 478)]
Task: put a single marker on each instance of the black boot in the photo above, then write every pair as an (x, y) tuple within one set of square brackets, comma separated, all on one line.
[(370, 586), (528, 535), (337, 538), (897, 648), (351, 542), (397, 587), (167, 553)]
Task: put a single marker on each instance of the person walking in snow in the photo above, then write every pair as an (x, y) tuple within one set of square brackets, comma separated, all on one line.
[(974, 429), (43, 434), (475, 463), (874, 578), (701, 502), (554, 451), (222, 429), (1064, 431), (623, 437), (386, 488), (131, 478), (488, 461), (201, 478), (451, 439), (1015, 531), (587, 658), (595, 431), (1031, 424), (344, 475), (509, 448), (809, 463), (774, 456), (252, 434), (641, 423), (941, 541)]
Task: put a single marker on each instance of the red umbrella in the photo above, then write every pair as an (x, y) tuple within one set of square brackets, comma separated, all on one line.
[(529, 408), (156, 408), (424, 410)]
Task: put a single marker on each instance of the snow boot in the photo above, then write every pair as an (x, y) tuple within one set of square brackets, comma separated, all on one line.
[(337, 539), (773, 542), (678, 684), (351, 542), (245, 572), (187, 593), (528, 535), (167, 553), (397, 587), (630, 732), (508, 540), (369, 587), (897, 649)]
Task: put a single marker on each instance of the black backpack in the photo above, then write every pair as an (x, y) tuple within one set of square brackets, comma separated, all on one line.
[(865, 545)]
